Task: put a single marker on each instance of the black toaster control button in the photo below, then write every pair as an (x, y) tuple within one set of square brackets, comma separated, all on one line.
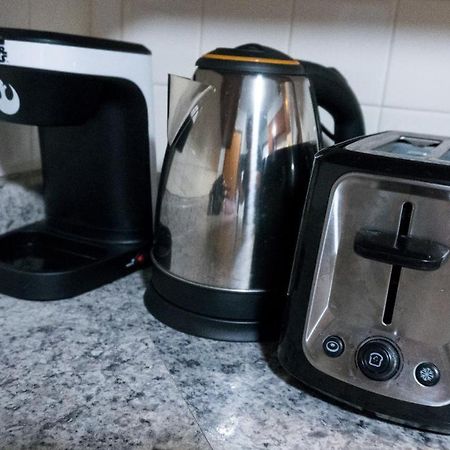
[(427, 374), (378, 359), (333, 346)]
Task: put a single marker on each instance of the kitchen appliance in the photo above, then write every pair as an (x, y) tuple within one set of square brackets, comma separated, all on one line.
[(369, 310), (91, 100), (241, 140)]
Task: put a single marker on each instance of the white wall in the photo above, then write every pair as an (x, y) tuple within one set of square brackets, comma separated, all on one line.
[(395, 53)]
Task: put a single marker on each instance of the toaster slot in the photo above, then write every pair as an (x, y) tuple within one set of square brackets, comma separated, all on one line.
[(403, 229), (410, 146), (446, 156)]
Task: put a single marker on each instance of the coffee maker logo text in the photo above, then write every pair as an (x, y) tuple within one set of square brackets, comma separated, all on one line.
[(9, 99), (3, 54)]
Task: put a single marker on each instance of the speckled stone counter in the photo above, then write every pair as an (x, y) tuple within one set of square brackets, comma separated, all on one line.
[(98, 371)]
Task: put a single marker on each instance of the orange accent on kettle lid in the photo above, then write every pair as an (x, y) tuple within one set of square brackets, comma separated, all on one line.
[(252, 59)]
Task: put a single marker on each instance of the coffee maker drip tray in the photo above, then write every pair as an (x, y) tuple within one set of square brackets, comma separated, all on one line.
[(37, 252), (38, 264)]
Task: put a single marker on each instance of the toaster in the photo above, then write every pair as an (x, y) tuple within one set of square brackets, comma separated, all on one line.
[(369, 297)]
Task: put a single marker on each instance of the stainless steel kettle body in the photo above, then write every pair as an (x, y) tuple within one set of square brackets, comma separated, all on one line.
[(237, 166), (234, 182)]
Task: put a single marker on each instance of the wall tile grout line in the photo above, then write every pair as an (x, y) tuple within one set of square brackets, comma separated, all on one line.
[(291, 25), (389, 59), (122, 19), (29, 14), (417, 110), (91, 15), (202, 24), (31, 152), (406, 108)]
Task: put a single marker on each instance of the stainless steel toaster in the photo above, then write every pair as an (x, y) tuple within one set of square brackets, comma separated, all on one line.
[(369, 300)]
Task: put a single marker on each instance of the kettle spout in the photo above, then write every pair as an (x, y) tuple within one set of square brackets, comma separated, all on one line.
[(185, 96)]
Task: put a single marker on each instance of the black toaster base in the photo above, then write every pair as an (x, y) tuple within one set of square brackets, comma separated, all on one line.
[(425, 418), (211, 313), (38, 263)]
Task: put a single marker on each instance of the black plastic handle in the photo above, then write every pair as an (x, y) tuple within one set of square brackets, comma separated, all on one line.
[(337, 98), (404, 251)]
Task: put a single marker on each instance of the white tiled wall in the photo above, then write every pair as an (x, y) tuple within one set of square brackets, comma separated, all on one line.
[(395, 53)]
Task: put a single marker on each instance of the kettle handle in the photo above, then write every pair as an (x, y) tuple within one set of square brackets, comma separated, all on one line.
[(334, 94)]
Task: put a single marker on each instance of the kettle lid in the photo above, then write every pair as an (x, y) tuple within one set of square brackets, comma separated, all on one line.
[(254, 58)]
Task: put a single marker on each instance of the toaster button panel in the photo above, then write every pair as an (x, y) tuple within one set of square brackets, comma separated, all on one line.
[(378, 359)]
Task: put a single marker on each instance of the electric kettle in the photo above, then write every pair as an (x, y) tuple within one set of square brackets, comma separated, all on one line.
[(241, 140)]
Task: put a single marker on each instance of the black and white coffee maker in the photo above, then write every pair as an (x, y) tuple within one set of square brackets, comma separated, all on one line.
[(91, 100)]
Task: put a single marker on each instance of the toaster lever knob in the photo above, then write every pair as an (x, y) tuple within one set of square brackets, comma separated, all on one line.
[(404, 251), (378, 359)]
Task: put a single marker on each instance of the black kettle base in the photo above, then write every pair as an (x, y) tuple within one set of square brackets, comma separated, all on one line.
[(196, 324), (37, 263), (203, 325)]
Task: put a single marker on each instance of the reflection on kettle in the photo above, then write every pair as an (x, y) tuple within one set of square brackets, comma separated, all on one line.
[(217, 197), (241, 141)]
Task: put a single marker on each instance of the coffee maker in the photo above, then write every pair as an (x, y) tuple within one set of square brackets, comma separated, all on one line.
[(91, 100)]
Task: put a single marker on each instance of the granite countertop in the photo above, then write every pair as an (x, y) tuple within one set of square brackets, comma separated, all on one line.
[(98, 371)]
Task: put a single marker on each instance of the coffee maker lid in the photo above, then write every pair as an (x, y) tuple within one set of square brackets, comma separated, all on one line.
[(70, 40), (253, 58)]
